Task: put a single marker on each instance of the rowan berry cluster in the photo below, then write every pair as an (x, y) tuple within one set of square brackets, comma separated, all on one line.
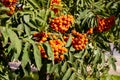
[(56, 44), (9, 4), (52, 5), (104, 24), (58, 49), (79, 40), (62, 23), (41, 36)]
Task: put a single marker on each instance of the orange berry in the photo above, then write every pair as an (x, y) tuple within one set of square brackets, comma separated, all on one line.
[(56, 53), (44, 56), (90, 31), (54, 37), (61, 57), (56, 57), (39, 47)]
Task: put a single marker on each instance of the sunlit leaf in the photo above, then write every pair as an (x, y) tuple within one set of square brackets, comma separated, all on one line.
[(97, 56), (33, 3), (37, 57), (20, 27), (67, 74), (27, 29), (15, 41), (73, 76), (25, 56), (26, 18), (31, 25), (64, 67), (49, 51), (72, 49), (5, 37), (70, 57), (69, 41)]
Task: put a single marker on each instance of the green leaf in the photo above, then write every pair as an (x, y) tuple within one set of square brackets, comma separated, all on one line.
[(5, 37), (3, 8), (20, 27), (69, 41), (4, 77), (67, 74), (53, 68), (109, 4), (57, 73), (33, 3), (25, 56), (31, 25), (49, 67), (97, 56), (64, 67), (70, 57), (82, 3), (52, 14), (79, 54), (15, 41), (27, 29), (114, 66), (85, 53), (112, 61), (76, 64), (47, 13), (50, 53), (26, 18), (37, 56), (73, 76), (103, 58), (72, 49), (11, 46), (105, 38), (57, 6)]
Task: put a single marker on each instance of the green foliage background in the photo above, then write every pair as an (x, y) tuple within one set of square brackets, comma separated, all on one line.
[(16, 41)]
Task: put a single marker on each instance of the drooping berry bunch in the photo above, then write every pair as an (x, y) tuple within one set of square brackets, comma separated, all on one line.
[(104, 24), (62, 23), (56, 44), (54, 3), (58, 49), (10, 4), (79, 40)]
